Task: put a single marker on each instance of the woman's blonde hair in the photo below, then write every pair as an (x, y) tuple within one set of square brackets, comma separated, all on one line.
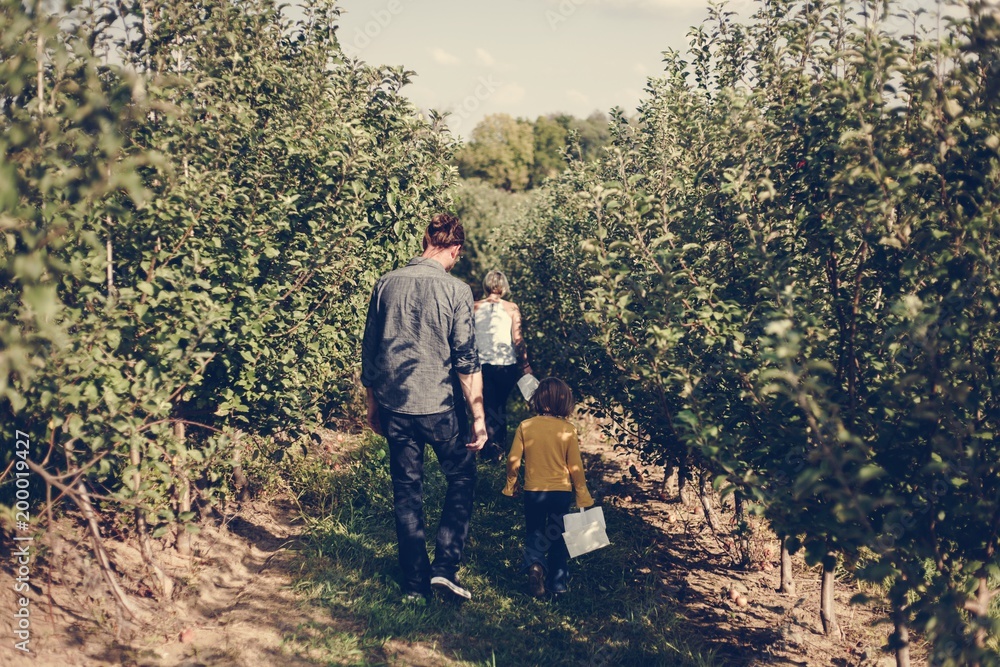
[(495, 282), (553, 397)]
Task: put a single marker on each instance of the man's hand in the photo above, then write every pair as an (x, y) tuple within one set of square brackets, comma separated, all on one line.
[(472, 387), (373, 418), (479, 432)]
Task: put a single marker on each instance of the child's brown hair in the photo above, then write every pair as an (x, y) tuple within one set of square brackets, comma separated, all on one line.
[(553, 397)]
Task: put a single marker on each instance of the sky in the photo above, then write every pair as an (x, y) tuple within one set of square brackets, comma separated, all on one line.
[(525, 58)]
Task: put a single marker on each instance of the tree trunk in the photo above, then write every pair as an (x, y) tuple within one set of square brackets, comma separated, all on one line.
[(111, 259), (87, 509), (183, 491), (787, 585), (705, 496), (683, 474), (901, 636), (146, 548), (240, 480), (983, 615), (742, 529), (827, 613), (668, 472)]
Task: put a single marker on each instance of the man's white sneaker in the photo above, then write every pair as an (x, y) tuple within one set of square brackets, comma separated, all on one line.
[(451, 586)]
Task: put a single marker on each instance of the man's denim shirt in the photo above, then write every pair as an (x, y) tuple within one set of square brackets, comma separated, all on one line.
[(419, 332)]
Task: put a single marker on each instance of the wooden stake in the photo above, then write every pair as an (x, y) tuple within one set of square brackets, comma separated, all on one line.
[(183, 491), (39, 57)]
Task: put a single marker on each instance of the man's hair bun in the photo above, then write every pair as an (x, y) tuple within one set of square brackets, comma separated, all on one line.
[(444, 231)]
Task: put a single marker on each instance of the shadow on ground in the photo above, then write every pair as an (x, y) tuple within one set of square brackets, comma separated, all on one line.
[(628, 604)]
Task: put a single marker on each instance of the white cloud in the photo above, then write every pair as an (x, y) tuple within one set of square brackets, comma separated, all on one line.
[(509, 93), (442, 57), (485, 58), (646, 6), (576, 97), (630, 98), (659, 6)]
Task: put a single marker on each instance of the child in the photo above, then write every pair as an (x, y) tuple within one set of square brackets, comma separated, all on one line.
[(552, 469)]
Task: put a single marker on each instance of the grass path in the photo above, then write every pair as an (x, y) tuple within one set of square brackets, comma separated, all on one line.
[(314, 583), (617, 613)]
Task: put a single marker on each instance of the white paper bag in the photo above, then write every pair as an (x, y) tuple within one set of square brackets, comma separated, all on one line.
[(527, 384), (585, 531)]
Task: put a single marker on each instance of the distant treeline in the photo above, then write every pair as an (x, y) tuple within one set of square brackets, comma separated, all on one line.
[(518, 154)]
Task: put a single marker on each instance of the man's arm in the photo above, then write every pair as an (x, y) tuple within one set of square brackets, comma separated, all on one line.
[(472, 387), (369, 358), (374, 422), (465, 361)]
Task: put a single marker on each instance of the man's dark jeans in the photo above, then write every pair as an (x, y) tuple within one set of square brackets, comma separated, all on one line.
[(543, 519), (407, 436)]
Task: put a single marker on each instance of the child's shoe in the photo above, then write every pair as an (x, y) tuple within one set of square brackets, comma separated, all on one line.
[(536, 580)]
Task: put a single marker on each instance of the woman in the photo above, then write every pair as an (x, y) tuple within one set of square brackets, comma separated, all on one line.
[(503, 355)]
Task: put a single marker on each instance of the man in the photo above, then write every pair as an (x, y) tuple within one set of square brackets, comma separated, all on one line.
[(419, 337)]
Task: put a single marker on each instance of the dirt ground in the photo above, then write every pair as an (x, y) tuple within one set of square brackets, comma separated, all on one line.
[(236, 605), (776, 629)]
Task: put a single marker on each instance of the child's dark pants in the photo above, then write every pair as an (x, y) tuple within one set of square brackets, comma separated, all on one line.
[(543, 518)]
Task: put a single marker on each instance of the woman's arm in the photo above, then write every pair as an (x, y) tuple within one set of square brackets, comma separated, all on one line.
[(515, 335)]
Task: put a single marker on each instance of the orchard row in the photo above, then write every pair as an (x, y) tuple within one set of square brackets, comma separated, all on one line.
[(195, 200), (784, 280)]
